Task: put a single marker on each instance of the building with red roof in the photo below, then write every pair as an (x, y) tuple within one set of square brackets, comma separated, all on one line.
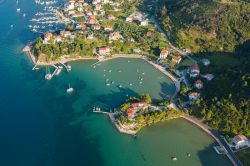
[(240, 141), (176, 59), (164, 54)]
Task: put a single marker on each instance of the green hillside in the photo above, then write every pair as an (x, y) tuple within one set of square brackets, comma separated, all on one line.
[(206, 25)]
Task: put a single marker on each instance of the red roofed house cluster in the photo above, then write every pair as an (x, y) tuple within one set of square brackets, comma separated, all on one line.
[(134, 108)]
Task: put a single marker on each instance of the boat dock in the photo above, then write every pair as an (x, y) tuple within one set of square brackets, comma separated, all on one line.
[(98, 110), (66, 67)]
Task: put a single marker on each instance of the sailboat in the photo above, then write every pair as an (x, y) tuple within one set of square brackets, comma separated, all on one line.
[(70, 89), (48, 75)]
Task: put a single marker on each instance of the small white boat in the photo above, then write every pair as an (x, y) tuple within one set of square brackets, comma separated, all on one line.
[(70, 89), (68, 67), (48, 76), (24, 15), (130, 84), (108, 84), (18, 9), (174, 158)]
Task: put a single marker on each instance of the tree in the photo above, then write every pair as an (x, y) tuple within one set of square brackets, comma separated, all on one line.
[(146, 98)]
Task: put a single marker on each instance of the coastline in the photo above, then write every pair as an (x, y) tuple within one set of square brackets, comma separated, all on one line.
[(102, 59)]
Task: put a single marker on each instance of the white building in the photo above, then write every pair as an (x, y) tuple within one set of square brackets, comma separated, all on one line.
[(240, 141), (164, 54)]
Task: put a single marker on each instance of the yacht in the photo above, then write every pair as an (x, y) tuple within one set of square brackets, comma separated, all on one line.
[(70, 89)]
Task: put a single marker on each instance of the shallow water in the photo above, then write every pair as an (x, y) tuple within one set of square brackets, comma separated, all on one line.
[(42, 125)]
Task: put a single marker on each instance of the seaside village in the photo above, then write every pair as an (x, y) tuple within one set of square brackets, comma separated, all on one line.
[(104, 32), (111, 32)]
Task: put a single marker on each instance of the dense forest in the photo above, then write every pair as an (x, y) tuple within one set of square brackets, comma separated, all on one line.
[(206, 25)]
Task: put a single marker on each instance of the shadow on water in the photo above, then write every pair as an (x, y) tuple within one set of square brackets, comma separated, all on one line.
[(165, 88), (208, 158)]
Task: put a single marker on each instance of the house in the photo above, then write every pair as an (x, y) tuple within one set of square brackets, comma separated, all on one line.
[(136, 50), (208, 76), (111, 17), (240, 141), (149, 33), (90, 36), (77, 15), (131, 113), (205, 62), (164, 54), (92, 20), (66, 34), (103, 51), (108, 28), (176, 59), (114, 36), (144, 23), (194, 70), (88, 13), (198, 84), (58, 39), (139, 104), (187, 50), (97, 27), (81, 26), (135, 108), (47, 37), (98, 6), (193, 96), (129, 19)]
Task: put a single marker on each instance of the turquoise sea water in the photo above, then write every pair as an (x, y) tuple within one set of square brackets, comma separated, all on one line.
[(41, 125)]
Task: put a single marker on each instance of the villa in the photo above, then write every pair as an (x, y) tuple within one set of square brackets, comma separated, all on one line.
[(92, 20), (129, 19), (58, 39), (194, 70), (131, 113), (164, 54), (193, 96), (176, 59), (111, 17), (66, 34), (108, 28), (76, 15), (103, 51), (240, 141), (198, 84), (134, 108), (97, 27), (114, 36)]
